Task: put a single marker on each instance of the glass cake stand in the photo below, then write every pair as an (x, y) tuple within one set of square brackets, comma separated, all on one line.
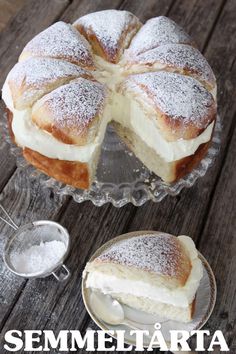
[(121, 178)]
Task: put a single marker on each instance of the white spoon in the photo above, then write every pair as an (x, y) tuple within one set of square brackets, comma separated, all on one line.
[(112, 312)]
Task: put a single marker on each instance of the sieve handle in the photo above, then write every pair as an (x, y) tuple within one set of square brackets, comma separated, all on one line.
[(62, 273), (11, 223)]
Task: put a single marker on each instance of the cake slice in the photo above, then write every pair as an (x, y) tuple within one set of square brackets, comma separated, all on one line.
[(157, 273)]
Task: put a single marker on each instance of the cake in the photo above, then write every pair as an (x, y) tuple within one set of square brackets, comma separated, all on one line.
[(157, 273), (148, 80)]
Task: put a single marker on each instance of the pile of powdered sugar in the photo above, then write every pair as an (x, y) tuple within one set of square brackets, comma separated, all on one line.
[(38, 258)]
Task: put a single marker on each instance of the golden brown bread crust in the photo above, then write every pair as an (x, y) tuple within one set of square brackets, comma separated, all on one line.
[(187, 164), (76, 174), (97, 48), (158, 31), (192, 307), (176, 129)]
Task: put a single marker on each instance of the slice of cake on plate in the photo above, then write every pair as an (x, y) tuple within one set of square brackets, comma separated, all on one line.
[(157, 273)]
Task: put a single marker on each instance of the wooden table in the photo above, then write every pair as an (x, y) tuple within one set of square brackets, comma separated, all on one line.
[(206, 211)]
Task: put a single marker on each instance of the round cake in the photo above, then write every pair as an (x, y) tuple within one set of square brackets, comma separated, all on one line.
[(148, 80)]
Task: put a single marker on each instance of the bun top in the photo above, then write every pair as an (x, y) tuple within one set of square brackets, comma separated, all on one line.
[(60, 41), (158, 31), (160, 254), (185, 108), (108, 31), (69, 111)]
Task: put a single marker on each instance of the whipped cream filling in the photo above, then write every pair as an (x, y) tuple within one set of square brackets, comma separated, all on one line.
[(127, 111), (27, 134), (181, 297)]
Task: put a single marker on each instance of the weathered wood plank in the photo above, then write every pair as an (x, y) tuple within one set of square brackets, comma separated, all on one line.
[(79, 8), (198, 9), (147, 9), (9, 9), (218, 244), (7, 164)]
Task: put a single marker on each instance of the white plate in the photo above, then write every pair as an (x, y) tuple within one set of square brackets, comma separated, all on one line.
[(205, 302)]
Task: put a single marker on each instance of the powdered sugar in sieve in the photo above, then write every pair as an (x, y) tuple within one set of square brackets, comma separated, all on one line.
[(37, 249)]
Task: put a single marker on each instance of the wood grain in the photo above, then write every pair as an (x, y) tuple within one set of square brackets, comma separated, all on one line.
[(218, 242), (8, 9)]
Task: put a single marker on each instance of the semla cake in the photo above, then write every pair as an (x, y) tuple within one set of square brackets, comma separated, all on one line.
[(148, 80)]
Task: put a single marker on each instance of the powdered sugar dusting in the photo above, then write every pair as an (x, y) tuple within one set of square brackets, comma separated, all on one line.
[(181, 56), (35, 74), (155, 253), (178, 96), (76, 104), (61, 40), (157, 31), (108, 26)]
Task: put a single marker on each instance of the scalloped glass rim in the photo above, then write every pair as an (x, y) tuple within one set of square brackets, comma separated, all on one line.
[(134, 184)]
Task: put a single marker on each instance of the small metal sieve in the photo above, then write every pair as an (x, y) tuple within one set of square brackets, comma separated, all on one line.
[(34, 234)]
